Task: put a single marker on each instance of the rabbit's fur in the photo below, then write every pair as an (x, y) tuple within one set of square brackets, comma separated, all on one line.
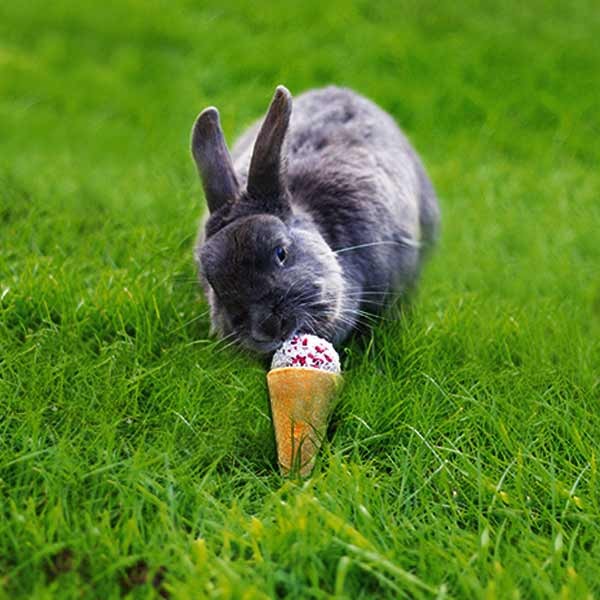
[(321, 217)]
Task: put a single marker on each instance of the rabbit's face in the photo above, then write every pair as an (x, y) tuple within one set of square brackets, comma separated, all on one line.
[(266, 280)]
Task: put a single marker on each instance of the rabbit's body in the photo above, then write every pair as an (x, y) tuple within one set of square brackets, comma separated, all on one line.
[(352, 199)]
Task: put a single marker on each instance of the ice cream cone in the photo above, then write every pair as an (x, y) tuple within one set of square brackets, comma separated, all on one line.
[(302, 400)]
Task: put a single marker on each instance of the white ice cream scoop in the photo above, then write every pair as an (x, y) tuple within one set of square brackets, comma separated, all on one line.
[(306, 350)]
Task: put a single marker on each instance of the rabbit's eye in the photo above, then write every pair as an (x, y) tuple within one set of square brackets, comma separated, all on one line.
[(280, 254)]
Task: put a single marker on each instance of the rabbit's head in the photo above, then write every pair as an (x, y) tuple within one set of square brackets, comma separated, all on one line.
[(266, 269)]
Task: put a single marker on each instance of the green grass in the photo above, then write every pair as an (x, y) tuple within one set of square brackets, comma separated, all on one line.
[(137, 455)]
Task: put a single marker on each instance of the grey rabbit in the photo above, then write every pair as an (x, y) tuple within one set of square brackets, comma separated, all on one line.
[(318, 218)]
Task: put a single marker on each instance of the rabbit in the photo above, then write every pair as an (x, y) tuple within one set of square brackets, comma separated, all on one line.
[(317, 220)]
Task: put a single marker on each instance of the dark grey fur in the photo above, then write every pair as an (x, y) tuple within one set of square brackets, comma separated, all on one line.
[(338, 186)]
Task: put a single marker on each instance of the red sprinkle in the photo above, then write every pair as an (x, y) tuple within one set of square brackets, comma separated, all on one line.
[(299, 360), (305, 342), (328, 358)]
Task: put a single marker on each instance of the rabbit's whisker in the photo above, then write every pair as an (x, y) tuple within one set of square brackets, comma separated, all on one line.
[(234, 341), (192, 320), (403, 242)]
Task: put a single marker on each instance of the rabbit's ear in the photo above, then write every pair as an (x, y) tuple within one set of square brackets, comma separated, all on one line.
[(266, 177), (213, 160)]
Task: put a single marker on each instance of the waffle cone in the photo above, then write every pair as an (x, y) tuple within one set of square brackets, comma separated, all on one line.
[(302, 400)]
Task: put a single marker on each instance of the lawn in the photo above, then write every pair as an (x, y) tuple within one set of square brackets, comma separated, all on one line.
[(136, 452)]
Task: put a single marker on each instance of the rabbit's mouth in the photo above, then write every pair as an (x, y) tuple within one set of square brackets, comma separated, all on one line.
[(263, 347)]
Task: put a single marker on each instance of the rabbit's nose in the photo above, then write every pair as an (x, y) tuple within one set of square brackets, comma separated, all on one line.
[(267, 329), (273, 328)]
